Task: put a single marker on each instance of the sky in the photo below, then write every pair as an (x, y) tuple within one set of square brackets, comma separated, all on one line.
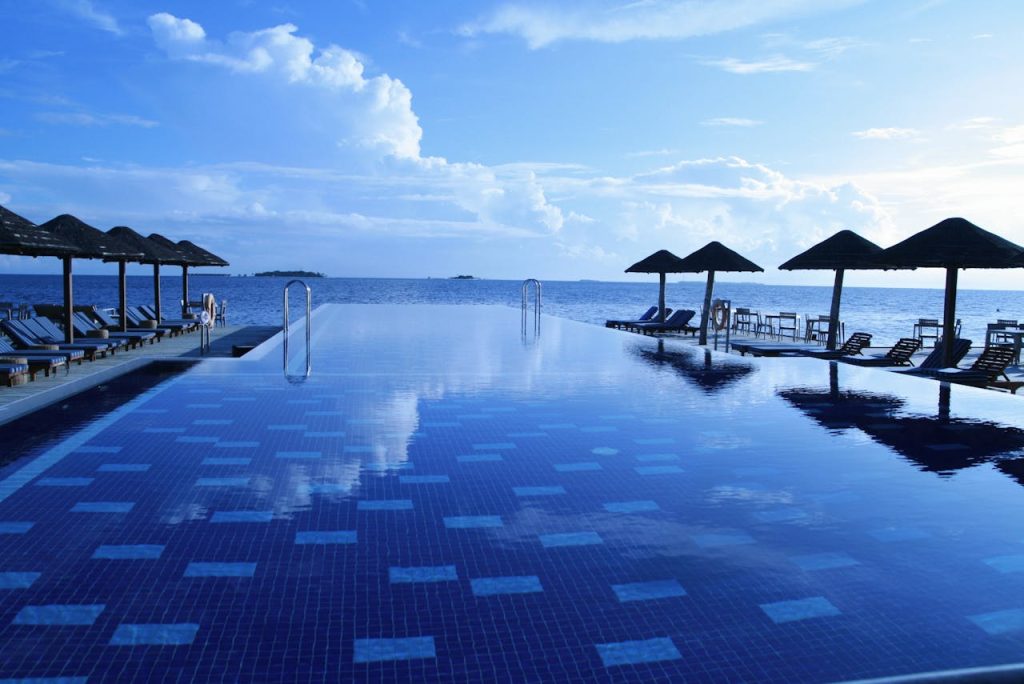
[(557, 140)]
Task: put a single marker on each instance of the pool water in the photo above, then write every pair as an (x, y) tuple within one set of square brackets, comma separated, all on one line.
[(446, 498)]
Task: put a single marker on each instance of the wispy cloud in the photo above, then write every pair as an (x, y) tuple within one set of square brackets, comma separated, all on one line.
[(86, 10), (663, 152), (982, 36), (887, 134), (731, 121), (85, 119), (612, 22), (778, 63), (974, 123)]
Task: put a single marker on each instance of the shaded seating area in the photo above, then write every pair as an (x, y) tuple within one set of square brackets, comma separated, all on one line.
[(987, 369), (86, 327), (27, 336), (646, 317), (898, 355), (853, 346), (677, 322)]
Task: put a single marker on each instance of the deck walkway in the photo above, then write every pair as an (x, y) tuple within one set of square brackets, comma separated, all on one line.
[(21, 399)]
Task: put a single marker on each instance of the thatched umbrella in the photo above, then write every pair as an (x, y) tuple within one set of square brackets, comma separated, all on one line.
[(92, 243), (661, 262), (712, 257), (193, 255), (843, 251), (20, 236), (952, 244), (152, 253), (710, 373)]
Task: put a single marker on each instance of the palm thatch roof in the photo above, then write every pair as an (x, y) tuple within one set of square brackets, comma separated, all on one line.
[(92, 243), (715, 256), (844, 250), (152, 252), (20, 236), (953, 243)]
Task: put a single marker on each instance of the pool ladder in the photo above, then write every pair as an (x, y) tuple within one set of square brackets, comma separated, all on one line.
[(536, 306), (293, 377)]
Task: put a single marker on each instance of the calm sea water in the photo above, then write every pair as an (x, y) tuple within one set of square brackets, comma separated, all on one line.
[(886, 313)]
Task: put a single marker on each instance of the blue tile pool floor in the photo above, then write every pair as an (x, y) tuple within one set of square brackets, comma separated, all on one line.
[(446, 500)]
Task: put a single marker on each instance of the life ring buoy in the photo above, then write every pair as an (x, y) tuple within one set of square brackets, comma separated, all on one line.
[(719, 315)]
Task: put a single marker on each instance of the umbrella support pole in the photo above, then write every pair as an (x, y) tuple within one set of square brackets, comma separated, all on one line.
[(705, 314), (949, 318), (833, 314), (69, 305)]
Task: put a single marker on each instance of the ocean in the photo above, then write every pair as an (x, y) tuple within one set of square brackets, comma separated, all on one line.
[(887, 313)]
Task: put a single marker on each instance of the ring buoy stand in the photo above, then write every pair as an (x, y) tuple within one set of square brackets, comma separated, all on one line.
[(719, 315)]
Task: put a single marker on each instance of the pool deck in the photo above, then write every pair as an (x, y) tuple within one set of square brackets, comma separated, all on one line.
[(21, 399)]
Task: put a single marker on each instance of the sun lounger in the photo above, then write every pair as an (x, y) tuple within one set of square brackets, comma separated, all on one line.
[(31, 337), (899, 355), (677, 322), (86, 327), (852, 347), (12, 370), (108, 322), (40, 360), (7, 348), (763, 349), (935, 360), (647, 317), (136, 316), (188, 323), (52, 334), (986, 369)]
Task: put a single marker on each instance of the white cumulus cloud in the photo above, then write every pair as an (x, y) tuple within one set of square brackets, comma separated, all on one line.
[(891, 133), (778, 63)]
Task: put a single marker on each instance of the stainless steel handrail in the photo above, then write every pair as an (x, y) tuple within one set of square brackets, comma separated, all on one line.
[(309, 308), (536, 305)]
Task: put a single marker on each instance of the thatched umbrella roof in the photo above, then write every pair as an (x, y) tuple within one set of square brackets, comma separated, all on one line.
[(712, 257), (211, 259), (661, 262), (191, 255), (952, 244), (20, 236), (844, 250), (151, 253)]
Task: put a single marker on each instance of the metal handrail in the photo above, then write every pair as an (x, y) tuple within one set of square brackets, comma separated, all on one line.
[(309, 308), (536, 304)]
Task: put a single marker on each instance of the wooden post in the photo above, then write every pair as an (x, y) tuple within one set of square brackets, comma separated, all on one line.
[(833, 314), (661, 298), (949, 318), (184, 290), (705, 315), (69, 304), (156, 290), (122, 280)]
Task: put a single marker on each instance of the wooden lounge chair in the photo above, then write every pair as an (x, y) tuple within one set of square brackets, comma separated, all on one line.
[(770, 349), (7, 348), (899, 355), (853, 346), (677, 322), (189, 324), (137, 319), (12, 371), (50, 333), (109, 323), (935, 361), (29, 337), (647, 317), (86, 327), (986, 369), (40, 360)]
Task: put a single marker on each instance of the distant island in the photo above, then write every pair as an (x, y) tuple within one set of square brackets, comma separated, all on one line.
[(290, 274), (462, 277)]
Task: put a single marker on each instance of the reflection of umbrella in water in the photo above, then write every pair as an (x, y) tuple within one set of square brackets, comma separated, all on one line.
[(661, 262), (843, 251), (952, 244), (938, 443), (710, 373), (92, 243), (712, 257)]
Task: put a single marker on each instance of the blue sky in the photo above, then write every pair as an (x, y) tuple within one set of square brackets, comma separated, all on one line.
[(558, 140)]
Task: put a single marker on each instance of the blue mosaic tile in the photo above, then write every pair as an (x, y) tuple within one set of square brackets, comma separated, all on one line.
[(570, 539), (658, 470), (1012, 563), (123, 468), (193, 439), (577, 467), (96, 449), (64, 482), (498, 409), (707, 541), (317, 435), (514, 435), (1000, 621), (550, 490), (441, 424), (129, 552), (657, 457), (651, 441), (824, 561), (385, 505), (326, 537), (103, 507), (18, 580), (599, 428), (557, 426), (324, 414), (203, 406), (213, 421), (241, 444), (799, 609), (646, 591), (604, 451), (478, 458), (226, 461), (180, 634), (196, 569), (298, 455), (46, 680), (61, 614), (423, 479), (163, 430), (328, 488), (493, 586), (242, 516), (631, 506), (636, 652), (438, 573), (360, 449), (387, 467), (494, 446), (463, 522), (223, 482), (780, 515), (15, 527), (897, 534), (408, 648)]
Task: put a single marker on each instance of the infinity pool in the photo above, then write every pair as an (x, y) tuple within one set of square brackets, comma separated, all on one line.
[(446, 498)]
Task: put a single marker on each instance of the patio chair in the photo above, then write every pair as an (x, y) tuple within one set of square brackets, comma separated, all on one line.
[(222, 313), (28, 337), (899, 355), (744, 320), (851, 347), (40, 360), (677, 322), (86, 327), (613, 323), (788, 324), (928, 329)]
